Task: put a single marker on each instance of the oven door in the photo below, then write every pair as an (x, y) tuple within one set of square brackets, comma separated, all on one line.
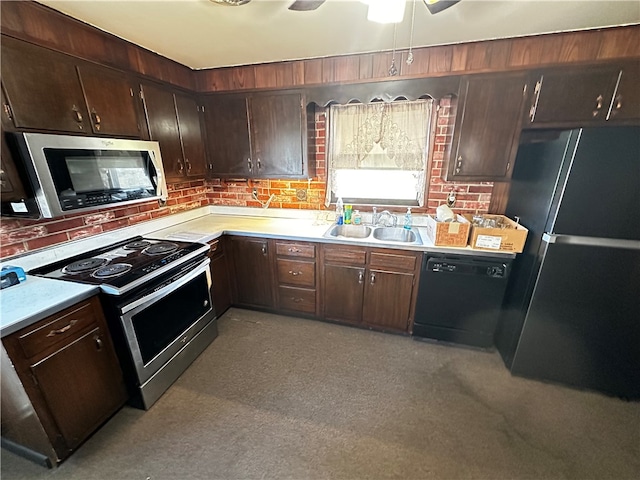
[(160, 323)]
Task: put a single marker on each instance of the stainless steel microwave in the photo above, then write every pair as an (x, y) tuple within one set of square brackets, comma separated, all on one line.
[(68, 174)]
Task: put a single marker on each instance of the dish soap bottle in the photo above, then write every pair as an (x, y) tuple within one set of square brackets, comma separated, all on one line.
[(339, 212), (357, 219), (407, 219)]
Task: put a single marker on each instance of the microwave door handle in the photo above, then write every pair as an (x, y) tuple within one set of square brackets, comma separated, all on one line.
[(152, 297)]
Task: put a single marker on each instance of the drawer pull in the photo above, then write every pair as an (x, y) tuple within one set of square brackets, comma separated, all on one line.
[(294, 250), (99, 343), (295, 274), (297, 299), (64, 329)]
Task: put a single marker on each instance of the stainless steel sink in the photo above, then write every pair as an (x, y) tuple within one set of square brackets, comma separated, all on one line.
[(349, 231), (394, 234), (371, 234)]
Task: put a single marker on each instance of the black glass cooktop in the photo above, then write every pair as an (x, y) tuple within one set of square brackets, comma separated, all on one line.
[(124, 266)]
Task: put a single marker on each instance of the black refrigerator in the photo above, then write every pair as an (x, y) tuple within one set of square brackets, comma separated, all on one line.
[(571, 313)]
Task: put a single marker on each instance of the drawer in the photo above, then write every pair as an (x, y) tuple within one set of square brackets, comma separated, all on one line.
[(296, 272), (297, 299), (345, 255), (393, 262), (289, 249), (58, 328)]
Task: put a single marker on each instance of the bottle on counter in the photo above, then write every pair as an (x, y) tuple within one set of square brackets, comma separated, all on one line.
[(408, 221), (348, 209), (339, 212), (357, 218)]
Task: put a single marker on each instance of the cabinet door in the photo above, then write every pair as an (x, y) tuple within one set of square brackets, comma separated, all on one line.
[(42, 87), (82, 385), (111, 101), (227, 132), (625, 104), (220, 279), (387, 299), (163, 127), (343, 292), (579, 97), (253, 272), (11, 188), (277, 130), (488, 122), (191, 136)]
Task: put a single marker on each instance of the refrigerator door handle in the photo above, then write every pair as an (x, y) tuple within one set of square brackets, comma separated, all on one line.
[(591, 241)]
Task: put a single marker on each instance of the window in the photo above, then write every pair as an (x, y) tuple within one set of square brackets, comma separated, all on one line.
[(377, 153)]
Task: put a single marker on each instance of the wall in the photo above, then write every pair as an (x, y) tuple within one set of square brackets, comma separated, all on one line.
[(471, 197), (19, 236)]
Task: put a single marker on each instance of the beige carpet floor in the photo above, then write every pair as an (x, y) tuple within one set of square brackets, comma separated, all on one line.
[(285, 398)]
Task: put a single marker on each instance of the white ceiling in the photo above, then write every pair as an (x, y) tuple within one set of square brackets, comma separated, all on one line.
[(202, 34)]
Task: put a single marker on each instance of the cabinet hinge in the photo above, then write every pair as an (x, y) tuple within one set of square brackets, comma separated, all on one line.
[(7, 111)]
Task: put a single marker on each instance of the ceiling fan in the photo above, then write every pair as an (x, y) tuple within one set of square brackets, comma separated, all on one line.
[(297, 5)]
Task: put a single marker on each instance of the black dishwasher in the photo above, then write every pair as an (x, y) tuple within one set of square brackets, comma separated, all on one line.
[(459, 298)]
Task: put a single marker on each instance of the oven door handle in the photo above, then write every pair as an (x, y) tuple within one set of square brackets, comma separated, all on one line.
[(199, 270)]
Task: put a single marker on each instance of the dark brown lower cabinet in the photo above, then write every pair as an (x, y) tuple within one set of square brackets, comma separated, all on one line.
[(372, 287), (70, 372), (252, 272), (220, 280)]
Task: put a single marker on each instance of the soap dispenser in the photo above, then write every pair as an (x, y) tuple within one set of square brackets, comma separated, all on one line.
[(407, 219), (339, 212)]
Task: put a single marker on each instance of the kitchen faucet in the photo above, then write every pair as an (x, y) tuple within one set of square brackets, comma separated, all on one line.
[(378, 218)]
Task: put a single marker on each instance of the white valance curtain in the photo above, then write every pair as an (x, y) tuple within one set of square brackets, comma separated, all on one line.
[(380, 136)]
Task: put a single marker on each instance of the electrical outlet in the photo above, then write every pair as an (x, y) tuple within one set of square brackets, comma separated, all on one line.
[(254, 193)]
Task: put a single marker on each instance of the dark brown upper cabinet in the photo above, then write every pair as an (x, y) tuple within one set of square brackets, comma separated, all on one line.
[(173, 119), (111, 101), (262, 135), (50, 91), (487, 128), (43, 89), (584, 96)]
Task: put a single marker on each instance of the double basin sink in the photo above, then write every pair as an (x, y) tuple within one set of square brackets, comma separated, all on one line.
[(365, 233)]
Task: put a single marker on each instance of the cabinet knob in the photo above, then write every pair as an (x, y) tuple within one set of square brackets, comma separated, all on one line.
[(264, 249), (98, 342), (78, 115), (618, 104), (249, 164), (96, 119), (373, 278), (259, 163), (599, 100), (360, 277), (188, 164), (180, 167)]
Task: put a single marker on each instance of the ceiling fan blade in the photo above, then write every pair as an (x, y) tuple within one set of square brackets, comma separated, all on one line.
[(305, 5)]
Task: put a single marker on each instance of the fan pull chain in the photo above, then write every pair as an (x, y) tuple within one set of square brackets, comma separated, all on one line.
[(409, 60), (393, 70)]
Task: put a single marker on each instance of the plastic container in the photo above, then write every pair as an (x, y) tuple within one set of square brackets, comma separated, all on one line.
[(347, 213), (357, 218), (408, 221), (339, 212)]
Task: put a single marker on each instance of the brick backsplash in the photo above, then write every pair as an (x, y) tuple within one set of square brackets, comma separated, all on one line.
[(19, 236)]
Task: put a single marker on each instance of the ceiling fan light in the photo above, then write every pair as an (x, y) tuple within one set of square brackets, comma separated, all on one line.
[(386, 11)]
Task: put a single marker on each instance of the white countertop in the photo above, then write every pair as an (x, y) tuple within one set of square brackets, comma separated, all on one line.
[(36, 298), (30, 301)]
